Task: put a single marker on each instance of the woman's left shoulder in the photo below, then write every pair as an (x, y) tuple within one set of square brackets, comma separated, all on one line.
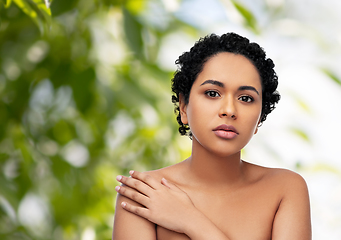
[(285, 175), (286, 180), (293, 211), (279, 177)]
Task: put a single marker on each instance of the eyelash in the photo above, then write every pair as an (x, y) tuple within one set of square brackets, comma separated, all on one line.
[(212, 91), (249, 98), (242, 98)]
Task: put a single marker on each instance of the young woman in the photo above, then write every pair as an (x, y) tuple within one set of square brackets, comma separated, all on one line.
[(224, 89)]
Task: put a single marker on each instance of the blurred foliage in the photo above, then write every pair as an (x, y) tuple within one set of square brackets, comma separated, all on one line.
[(250, 21), (83, 98), (333, 76)]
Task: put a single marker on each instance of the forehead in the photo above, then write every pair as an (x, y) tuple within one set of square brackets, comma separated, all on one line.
[(231, 69)]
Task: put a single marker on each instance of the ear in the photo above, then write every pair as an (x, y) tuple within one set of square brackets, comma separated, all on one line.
[(183, 109), (258, 125), (256, 130)]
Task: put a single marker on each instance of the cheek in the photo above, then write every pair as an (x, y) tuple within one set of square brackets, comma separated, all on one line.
[(252, 117), (256, 123), (200, 114), (205, 109)]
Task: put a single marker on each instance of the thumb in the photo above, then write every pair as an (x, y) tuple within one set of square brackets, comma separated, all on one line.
[(169, 184)]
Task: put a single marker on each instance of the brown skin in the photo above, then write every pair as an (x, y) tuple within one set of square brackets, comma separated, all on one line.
[(214, 194)]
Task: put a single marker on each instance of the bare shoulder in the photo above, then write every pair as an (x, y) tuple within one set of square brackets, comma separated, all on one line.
[(279, 177), (293, 211), (130, 226), (288, 181), (171, 173), (294, 208)]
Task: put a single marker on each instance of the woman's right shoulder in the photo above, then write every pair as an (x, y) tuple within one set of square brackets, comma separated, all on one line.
[(130, 226), (168, 171)]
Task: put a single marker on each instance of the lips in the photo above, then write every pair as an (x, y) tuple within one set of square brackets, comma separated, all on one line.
[(226, 131)]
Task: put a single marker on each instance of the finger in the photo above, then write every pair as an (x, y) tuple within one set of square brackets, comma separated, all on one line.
[(170, 185), (139, 211), (149, 180), (132, 194), (135, 184), (166, 183)]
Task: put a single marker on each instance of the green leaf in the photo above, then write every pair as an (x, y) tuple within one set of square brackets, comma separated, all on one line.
[(60, 7), (6, 3), (300, 101), (43, 6), (326, 168), (250, 20), (332, 75), (37, 11), (26, 8), (83, 84), (302, 134), (135, 6), (133, 32)]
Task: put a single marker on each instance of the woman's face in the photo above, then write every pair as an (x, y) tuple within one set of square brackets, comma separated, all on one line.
[(225, 104)]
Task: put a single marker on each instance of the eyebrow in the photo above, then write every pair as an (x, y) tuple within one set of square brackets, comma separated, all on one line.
[(220, 84), (241, 88), (214, 82)]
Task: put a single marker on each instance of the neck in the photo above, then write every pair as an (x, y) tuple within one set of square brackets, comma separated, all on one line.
[(213, 170)]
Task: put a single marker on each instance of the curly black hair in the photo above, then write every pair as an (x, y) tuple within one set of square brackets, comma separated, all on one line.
[(191, 63)]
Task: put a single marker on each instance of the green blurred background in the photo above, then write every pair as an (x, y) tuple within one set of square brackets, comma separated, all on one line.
[(85, 96)]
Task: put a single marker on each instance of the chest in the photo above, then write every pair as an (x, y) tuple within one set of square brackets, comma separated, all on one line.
[(242, 214)]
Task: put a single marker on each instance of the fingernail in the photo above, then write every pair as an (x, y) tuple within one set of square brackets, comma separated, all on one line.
[(119, 178), (123, 204), (117, 188), (131, 172)]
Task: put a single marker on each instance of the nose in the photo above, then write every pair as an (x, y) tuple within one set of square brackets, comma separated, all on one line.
[(228, 108)]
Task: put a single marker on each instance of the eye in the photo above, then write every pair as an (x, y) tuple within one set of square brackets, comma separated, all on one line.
[(246, 99), (212, 93)]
